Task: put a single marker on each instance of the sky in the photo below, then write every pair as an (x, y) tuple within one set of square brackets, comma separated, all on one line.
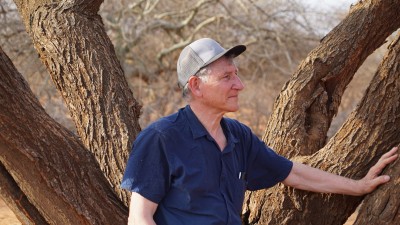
[(326, 4), (318, 9)]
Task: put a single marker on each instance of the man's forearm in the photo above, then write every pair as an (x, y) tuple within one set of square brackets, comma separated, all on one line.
[(140, 221), (141, 210), (311, 179)]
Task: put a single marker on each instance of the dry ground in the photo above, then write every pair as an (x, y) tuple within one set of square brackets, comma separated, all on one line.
[(7, 217)]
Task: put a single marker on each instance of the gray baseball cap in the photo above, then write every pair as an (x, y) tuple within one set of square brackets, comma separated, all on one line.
[(199, 54)]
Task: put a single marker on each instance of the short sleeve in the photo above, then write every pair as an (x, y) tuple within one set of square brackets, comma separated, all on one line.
[(147, 167), (266, 168)]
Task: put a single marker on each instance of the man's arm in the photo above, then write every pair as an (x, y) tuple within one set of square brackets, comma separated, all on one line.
[(311, 179), (141, 210)]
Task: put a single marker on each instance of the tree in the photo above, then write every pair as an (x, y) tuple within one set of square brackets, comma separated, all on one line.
[(298, 126), (51, 176), (106, 119)]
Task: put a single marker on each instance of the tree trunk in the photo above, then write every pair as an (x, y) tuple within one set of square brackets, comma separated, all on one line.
[(48, 163), (372, 129), (304, 109), (52, 171), (382, 207), (303, 112), (17, 200), (71, 41)]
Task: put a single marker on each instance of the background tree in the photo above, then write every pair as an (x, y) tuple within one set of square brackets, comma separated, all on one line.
[(63, 179)]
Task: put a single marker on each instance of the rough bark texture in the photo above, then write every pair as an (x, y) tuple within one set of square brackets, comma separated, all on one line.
[(303, 113), (307, 103), (383, 206), (72, 43), (48, 163), (17, 200), (372, 129), (61, 179)]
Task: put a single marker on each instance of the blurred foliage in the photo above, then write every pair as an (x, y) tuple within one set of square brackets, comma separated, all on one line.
[(149, 34), (16, 43)]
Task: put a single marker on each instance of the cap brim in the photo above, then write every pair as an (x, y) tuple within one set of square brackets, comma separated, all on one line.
[(234, 51)]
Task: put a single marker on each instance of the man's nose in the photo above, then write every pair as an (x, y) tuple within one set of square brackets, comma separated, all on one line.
[(238, 83)]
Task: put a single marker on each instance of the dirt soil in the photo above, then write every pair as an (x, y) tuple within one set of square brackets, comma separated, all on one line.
[(7, 216)]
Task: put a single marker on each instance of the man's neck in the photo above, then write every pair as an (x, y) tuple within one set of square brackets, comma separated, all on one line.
[(211, 119)]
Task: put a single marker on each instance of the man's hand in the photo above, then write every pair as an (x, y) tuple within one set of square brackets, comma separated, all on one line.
[(373, 178), (311, 179)]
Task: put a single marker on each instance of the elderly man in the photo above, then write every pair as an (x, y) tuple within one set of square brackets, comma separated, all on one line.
[(194, 166)]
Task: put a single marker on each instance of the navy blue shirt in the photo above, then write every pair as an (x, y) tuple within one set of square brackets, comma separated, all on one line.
[(178, 165)]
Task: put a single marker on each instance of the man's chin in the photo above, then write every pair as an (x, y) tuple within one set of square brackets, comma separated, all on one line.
[(234, 109)]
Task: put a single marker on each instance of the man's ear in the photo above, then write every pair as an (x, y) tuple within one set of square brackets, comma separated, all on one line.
[(194, 85)]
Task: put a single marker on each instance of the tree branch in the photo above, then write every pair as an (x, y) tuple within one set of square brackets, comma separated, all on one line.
[(323, 76), (370, 131), (49, 164), (82, 62), (304, 110), (381, 207), (17, 200)]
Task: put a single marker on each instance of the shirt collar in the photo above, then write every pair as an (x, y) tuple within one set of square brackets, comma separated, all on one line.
[(231, 138), (198, 130)]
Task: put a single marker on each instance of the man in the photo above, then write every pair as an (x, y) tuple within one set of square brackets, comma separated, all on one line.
[(194, 166)]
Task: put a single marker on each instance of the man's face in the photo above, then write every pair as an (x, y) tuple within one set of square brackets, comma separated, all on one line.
[(220, 90)]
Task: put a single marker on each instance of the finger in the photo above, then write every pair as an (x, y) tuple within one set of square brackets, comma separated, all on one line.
[(372, 184), (390, 153), (387, 161), (381, 164), (381, 180)]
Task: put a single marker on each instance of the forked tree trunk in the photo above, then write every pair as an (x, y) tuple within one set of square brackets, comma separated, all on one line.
[(307, 103), (303, 113), (73, 44), (369, 131), (63, 181), (382, 207), (49, 164), (17, 200)]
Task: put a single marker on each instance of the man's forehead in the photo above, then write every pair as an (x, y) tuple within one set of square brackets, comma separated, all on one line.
[(223, 62)]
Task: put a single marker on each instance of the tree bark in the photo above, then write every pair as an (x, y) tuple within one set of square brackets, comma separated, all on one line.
[(62, 179), (372, 129), (72, 42), (50, 165), (382, 207), (304, 110), (17, 200)]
